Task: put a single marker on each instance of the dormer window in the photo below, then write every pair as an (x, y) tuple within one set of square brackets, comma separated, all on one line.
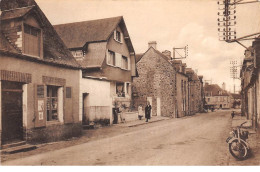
[(32, 43), (78, 54)]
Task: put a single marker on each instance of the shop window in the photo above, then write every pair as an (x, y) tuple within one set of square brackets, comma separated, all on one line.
[(52, 103), (120, 89)]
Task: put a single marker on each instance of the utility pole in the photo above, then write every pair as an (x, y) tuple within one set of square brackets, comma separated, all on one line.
[(180, 55), (227, 32)]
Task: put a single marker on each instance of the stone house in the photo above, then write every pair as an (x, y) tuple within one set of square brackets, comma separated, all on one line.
[(182, 107), (217, 97), (39, 78), (105, 52), (156, 82), (195, 95), (250, 84)]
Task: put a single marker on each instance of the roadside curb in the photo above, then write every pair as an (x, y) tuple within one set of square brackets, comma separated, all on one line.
[(135, 125)]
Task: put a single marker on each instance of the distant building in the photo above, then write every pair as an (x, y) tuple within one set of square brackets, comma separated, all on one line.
[(105, 52), (217, 97)]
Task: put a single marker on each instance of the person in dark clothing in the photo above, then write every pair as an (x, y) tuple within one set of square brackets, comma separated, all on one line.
[(148, 108), (232, 114)]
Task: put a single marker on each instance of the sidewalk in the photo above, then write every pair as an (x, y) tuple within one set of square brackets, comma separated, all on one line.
[(253, 140), (138, 122)]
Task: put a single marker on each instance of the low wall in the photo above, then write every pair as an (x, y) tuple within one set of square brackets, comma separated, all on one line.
[(53, 133)]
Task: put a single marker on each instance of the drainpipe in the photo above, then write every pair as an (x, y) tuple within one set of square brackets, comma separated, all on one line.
[(255, 103)]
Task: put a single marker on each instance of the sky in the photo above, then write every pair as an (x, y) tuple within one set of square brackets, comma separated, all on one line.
[(171, 23)]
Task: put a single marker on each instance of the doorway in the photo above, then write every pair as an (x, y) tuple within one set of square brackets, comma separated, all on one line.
[(12, 112), (85, 119)]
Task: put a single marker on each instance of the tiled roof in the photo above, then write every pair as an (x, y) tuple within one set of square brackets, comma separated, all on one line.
[(215, 89), (78, 34), (15, 13), (54, 49)]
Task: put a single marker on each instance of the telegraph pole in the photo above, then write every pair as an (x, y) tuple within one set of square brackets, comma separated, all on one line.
[(179, 55), (226, 24)]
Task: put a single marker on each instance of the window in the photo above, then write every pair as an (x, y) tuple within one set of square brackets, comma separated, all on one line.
[(127, 88), (31, 40), (208, 99), (111, 58), (118, 36), (124, 62), (52, 103), (77, 53), (120, 89)]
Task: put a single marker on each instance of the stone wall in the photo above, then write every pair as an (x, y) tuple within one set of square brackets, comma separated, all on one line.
[(156, 80)]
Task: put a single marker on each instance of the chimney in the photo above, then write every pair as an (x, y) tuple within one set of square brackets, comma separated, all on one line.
[(206, 83), (167, 53), (152, 44), (224, 86)]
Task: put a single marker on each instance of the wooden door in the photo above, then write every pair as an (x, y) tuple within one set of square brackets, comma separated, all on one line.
[(12, 112)]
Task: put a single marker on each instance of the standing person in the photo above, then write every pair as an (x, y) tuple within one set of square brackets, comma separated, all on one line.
[(140, 112), (148, 108)]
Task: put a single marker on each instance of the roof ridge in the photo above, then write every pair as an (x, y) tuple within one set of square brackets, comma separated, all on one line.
[(18, 8), (88, 21)]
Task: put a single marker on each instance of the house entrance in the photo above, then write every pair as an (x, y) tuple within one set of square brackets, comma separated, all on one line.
[(12, 112), (85, 118)]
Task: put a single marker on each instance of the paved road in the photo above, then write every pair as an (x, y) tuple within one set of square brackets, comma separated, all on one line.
[(196, 140)]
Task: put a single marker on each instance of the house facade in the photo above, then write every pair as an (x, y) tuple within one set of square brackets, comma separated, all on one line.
[(182, 103), (195, 92), (250, 86), (39, 78), (156, 82), (217, 97), (104, 50)]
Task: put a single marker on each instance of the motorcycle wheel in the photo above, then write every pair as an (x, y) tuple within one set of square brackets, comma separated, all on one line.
[(238, 150)]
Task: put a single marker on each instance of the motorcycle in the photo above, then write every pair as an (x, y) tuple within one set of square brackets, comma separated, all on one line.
[(238, 147)]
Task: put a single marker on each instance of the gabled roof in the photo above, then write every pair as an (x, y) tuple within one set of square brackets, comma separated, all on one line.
[(78, 34), (140, 56), (215, 90), (15, 13), (54, 50)]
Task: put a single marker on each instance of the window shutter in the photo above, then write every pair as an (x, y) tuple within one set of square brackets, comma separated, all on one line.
[(118, 60), (40, 106), (122, 37), (68, 92)]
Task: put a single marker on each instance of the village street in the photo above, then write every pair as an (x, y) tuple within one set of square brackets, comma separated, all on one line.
[(195, 140)]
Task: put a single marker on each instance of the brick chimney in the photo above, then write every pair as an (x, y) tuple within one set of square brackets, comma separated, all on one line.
[(167, 53), (152, 44)]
